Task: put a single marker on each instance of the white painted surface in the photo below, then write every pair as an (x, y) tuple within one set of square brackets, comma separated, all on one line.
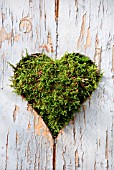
[(56, 27)]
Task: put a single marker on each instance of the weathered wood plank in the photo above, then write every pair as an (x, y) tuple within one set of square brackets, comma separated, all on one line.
[(56, 27), (25, 142), (87, 143)]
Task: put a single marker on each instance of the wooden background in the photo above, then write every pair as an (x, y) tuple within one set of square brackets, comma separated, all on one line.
[(57, 26)]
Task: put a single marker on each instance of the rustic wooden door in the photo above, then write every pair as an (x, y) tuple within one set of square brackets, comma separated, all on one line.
[(57, 26)]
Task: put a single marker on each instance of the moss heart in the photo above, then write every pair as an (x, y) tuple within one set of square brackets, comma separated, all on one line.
[(55, 89)]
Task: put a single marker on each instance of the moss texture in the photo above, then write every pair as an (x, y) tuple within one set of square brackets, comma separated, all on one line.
[(55, 89)]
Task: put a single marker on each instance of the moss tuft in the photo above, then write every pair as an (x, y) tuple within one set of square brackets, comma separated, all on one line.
[(55, 89)]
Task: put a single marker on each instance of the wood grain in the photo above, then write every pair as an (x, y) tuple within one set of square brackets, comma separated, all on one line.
[(55, 27)]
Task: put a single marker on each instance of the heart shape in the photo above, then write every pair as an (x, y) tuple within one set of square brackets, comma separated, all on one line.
[(55, 89)]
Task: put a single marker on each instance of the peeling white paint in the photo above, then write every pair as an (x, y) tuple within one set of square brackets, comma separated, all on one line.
[(55, 27)]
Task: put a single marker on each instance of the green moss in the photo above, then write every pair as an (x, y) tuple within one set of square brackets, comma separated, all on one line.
[(55, 89)]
